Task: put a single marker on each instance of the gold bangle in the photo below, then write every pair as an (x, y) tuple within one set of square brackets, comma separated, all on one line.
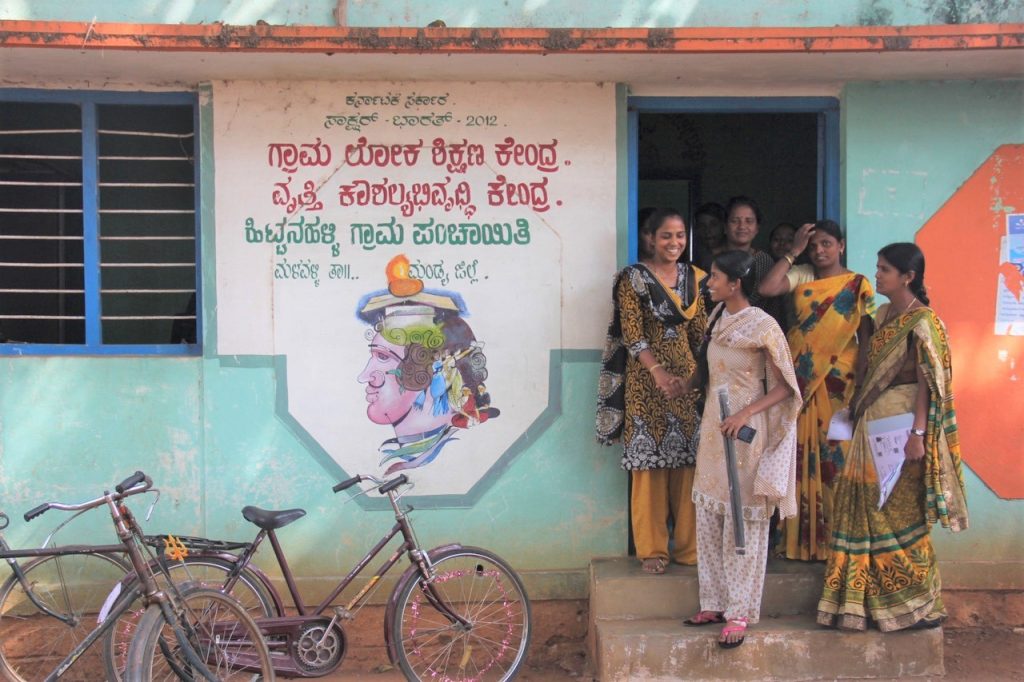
[(654, 367), (790, 259)]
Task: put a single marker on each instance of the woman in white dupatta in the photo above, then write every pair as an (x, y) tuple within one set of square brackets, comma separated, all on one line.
[(747, 355)]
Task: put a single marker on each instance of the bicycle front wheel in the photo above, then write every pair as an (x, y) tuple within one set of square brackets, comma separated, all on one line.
[(210, 572), (220, 635), (485, 591), (33, 643)]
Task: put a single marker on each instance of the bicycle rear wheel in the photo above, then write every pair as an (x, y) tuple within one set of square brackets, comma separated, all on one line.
[(32, 643), (480, 587), (210, 572), (220, 632)]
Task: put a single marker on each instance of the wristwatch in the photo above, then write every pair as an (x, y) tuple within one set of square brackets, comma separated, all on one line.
[(917, 432)]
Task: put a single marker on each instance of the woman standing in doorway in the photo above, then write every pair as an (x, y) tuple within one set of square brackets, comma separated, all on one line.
[(882, 565), (656, 330), (833, 321), (746, 354), (741, 228)]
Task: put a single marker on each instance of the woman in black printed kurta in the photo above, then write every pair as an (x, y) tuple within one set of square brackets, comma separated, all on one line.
[(652, 344)]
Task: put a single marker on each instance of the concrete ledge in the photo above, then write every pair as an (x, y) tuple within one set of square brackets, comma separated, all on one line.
[(788, 648), (619, 589)]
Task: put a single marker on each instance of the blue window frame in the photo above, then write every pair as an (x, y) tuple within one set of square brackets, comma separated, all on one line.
[(826, 109), (99, 223)]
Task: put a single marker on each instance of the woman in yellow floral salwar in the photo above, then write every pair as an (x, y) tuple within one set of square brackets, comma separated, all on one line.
[(882, 566), (656, 330), (833, 310)]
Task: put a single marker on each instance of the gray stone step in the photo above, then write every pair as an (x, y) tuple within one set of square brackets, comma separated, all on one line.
[(619, 589), (785, 648)]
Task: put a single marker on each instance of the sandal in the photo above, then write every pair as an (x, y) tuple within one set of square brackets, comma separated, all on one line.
[(654, 565), (927, 623), (705, 618), (736, 626)]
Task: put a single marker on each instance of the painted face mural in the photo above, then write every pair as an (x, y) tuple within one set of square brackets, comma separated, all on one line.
[(426, 371)]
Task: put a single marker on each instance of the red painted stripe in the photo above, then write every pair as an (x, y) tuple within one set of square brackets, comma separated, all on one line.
[(268, 38)]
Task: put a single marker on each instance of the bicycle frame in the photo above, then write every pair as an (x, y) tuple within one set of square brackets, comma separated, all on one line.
[(124, 525), (410, 547)]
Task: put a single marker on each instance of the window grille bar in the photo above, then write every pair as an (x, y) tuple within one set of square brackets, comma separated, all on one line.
[(139, 158), (147, 184), (147, 211), (143, 133), (45, 157), (20, 237), (149, 317), (32, 183), (42, 317), (148, 291), (148, 265), (186, 238), (40, 210), (6, 264), (42, 291), (41, 131)]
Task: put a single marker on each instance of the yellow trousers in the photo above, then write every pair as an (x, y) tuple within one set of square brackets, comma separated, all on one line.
[(659, 497)]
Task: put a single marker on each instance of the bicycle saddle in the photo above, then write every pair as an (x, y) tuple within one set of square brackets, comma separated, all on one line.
[(269, 520)]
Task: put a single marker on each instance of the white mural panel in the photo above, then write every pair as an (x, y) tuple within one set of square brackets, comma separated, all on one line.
[(415, 252)]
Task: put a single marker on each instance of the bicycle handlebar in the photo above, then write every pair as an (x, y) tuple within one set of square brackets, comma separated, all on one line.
[(132, 481), (126, 488), (344, 485), (36, 511), (393, 483), (384, 486)]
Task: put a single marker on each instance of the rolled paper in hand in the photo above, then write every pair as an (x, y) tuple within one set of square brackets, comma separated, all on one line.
[(735, 499)]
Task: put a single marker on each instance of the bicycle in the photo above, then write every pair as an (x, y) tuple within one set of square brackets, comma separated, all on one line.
[(456, 613), (201, 633)]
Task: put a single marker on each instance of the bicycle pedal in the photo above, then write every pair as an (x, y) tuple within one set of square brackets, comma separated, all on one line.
[(341, 613)]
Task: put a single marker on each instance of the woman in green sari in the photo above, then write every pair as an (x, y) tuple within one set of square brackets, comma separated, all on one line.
[(882, 565)]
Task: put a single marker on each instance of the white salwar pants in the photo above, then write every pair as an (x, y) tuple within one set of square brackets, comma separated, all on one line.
[(730, 583)]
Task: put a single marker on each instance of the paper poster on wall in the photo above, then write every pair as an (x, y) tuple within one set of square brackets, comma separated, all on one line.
[(1010, 287), (402, 246)]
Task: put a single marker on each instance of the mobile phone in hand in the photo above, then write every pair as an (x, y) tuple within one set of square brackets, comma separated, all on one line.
[(746, 434)]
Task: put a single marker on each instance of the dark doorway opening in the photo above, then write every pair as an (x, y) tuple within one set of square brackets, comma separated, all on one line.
[(685, 151), (688, 159)]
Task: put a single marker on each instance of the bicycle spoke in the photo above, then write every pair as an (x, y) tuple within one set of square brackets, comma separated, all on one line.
[(486, 594)]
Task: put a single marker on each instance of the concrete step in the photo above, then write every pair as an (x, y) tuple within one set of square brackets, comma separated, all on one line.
[(619, 589), (785, 648)]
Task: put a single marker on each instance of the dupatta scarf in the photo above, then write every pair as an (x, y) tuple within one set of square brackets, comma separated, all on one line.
[(945, 499), (665, 307)]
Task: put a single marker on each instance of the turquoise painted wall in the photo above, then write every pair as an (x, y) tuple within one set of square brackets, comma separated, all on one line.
[(525, 13), (208, 434), (929, 137)]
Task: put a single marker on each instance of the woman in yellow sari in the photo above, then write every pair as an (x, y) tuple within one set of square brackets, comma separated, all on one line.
[(882, 565), (833, 308)]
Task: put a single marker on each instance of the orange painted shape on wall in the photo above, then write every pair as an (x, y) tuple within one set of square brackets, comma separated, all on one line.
[(962, 244)]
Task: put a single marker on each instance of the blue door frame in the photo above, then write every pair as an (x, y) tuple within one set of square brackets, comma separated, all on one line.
[(826, 108)]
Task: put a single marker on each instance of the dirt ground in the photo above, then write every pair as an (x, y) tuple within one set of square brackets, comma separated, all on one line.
[(971, 655)]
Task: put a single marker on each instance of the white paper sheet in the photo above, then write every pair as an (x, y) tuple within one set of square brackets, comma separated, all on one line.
[(840, 427), (888, 437)]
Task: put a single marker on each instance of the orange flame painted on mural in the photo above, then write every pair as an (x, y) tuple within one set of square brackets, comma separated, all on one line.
[(399, 282)]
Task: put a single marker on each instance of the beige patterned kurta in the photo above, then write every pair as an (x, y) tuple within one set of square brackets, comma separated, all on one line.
[(740, 345)]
